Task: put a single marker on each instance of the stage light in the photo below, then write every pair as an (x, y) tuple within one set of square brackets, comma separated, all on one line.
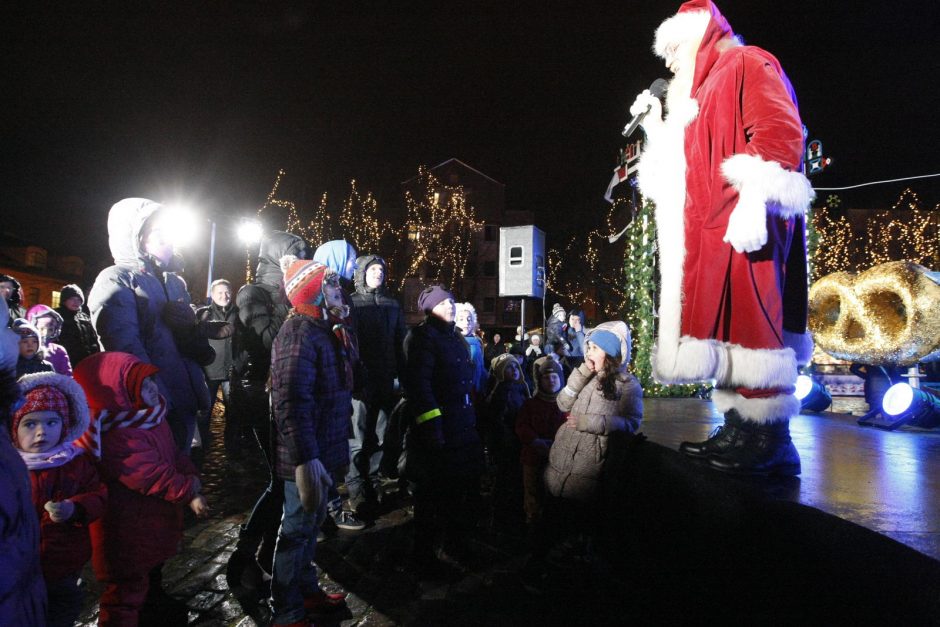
[(918, 407), (250, 232), (813, 396), (179, 224)]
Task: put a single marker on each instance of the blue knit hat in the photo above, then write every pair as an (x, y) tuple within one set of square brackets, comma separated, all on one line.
[(606, 341)]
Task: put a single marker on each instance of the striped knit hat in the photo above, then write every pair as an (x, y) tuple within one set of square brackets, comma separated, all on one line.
[(303, 282)]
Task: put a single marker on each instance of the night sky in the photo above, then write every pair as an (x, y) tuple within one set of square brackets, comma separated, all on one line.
[(204, 102)]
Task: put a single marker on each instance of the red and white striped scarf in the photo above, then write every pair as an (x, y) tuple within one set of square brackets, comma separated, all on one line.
[(105, 420)]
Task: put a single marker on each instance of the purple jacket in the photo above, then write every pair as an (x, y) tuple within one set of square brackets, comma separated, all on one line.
[(311, 403)]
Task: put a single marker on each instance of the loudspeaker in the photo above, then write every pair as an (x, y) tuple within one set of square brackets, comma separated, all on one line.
[(521, 262)]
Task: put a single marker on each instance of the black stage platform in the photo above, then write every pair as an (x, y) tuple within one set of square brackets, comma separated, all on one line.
[(853, 540), (888, 482)]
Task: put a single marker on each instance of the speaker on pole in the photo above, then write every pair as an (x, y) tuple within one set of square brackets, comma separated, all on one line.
[(521, 262)]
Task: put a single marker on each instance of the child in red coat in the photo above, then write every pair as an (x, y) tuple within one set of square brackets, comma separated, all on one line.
[(149, 481), (536, 424), (67, 492)]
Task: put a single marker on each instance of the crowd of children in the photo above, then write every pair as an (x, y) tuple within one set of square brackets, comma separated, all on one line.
[(110, 481)]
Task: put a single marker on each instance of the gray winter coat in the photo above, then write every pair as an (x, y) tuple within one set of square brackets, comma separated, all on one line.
[(127, 304), (578, 453)]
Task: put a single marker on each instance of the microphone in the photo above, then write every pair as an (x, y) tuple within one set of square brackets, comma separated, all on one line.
[(657, 89)]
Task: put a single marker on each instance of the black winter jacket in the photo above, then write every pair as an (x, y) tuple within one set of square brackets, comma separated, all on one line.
[(263, 307), (221, 366), (78, 335), (438, 382), (380, 328)]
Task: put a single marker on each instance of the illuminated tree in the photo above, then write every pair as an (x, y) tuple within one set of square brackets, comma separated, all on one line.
[(439, 231)]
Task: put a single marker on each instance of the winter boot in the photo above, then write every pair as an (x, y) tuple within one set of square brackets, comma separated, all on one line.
[(766, 450), (722, 440), (242, 573)]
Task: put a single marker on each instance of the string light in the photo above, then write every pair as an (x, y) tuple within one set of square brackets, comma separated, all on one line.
[(439, 229)]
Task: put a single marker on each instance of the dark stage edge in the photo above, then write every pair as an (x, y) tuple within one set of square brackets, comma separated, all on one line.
[(693, 546)]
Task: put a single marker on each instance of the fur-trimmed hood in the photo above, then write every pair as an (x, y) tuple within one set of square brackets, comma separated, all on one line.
[(78, 405)]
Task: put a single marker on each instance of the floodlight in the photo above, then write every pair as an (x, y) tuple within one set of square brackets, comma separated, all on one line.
[(920, 407), (179, 224), (813, 395), (250, 232)]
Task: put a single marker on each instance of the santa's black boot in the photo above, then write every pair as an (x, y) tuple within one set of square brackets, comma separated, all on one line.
[(767, 450), (721, 440)]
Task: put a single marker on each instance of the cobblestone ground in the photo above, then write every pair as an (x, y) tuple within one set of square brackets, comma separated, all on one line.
[(366, 564)]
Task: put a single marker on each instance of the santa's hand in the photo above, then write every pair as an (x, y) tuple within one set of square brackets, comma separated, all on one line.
[(199, 506), (60, 511), (747, 226), (648, 102)]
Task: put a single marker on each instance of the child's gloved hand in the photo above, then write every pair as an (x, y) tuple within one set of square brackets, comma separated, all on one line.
[(542, 446), (60, 511), (199, 506), (312, 483)]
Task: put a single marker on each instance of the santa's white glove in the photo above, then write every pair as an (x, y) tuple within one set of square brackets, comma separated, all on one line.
[(747, 226), (654, 119), (313, 482)]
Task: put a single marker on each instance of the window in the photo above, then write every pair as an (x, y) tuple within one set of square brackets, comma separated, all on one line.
[(515, 256), (35, 257), (489, 305), (56, 299), (489, 268), (414, 233)]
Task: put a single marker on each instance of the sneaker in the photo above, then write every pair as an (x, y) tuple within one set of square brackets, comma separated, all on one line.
[(321, 601), (345, 519)]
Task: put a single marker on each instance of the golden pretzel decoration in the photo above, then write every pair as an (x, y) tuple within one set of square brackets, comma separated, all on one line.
[(887, 315)]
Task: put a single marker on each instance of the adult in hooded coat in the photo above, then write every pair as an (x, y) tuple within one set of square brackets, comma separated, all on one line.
[(22, 587), (380, 329), (140, 306), (78, 333), (724, 170), (262, 308)]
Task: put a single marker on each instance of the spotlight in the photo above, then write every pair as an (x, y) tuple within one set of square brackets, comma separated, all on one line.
[(919, 407), (813, 395), (250, 231)]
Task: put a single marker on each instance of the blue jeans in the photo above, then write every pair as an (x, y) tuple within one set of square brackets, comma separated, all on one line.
[(295, 575), (365, 447)]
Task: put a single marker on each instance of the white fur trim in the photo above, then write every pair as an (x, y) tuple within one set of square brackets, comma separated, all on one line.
[(761, 410), (78, 404), (729, 365), (785, 193), (802, 345), (678, 28)]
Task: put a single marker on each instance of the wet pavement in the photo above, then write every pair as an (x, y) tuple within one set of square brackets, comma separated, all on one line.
[(370, 565)]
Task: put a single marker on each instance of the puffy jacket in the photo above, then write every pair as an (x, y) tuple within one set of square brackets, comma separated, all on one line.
[(263, 306), (311, 399), (78, 335), (22, 590), (148, 478), (127, 304), (578, 453), (65, 547), (221, 366), (438, 384), (380, 327)]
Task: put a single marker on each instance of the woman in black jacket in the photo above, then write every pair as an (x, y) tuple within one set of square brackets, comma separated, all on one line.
[(445, 453)]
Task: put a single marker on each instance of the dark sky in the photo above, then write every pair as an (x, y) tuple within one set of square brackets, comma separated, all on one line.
[(205, 101)]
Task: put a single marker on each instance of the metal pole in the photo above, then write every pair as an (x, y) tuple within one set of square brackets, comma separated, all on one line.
[(211, 259), (522, 335)]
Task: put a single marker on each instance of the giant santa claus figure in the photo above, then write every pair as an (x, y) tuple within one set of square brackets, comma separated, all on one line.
[(724, 170)]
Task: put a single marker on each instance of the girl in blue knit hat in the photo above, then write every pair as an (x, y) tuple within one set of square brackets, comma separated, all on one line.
[(601, 397)]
